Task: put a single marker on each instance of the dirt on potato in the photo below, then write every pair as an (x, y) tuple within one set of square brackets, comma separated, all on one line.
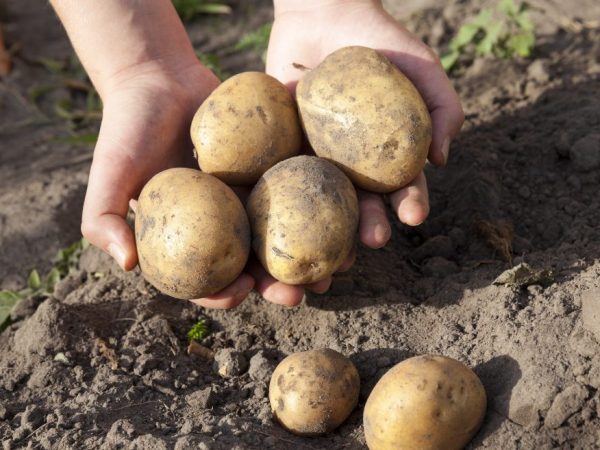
[(103, 362)]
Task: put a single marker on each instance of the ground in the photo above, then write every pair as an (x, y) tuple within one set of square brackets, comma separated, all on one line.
[(527, 164)]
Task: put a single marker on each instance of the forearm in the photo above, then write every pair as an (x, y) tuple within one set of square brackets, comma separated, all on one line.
[(115, 38)]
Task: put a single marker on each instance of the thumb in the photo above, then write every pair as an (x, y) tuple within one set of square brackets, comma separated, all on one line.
[(110, 187)]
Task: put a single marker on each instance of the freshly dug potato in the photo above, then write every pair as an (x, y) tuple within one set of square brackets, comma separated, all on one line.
[(247, 125), (192, 233), (303, 214), (361, 112), (313, 392), (425, 403)]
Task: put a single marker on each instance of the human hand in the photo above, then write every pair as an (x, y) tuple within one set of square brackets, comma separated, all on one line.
[(306, 31)]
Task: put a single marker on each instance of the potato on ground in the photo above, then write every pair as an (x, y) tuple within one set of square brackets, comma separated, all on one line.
[(361, 112), (303, 214), (313, 392), (425, 403), (247, 125), (192, 233)]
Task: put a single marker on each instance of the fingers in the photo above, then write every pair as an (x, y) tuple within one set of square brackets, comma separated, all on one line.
[(231, 296), (422, 66), (105, 208), (411, 203), (374, 228), (273, 290), (349, 262)]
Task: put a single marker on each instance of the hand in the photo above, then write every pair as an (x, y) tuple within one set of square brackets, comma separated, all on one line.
[(306, 31)]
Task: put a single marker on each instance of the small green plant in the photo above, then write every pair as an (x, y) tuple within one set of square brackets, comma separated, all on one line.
[(188, 9), (256, 41), (503, 32), (65, 262), (198, 331)]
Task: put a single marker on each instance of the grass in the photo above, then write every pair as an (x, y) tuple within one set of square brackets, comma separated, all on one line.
[(503, 32), (188, 9), (65, 261)]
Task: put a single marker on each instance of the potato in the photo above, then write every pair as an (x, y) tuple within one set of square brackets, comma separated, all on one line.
[(313, 392), (425, 403), (192, 233), (247, 125), (303, 214), (361, 112)]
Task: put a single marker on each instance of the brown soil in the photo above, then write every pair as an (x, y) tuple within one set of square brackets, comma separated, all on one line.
[(528, 161)]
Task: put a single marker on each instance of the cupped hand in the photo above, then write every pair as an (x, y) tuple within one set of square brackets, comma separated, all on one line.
[(144, 130), (303, 36)]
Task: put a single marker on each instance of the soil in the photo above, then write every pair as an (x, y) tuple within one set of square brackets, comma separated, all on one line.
[(102, 363)]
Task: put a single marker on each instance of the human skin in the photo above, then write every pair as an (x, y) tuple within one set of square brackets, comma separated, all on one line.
[(141, 61)]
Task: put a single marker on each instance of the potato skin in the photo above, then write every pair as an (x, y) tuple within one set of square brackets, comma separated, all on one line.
[(359, 111), (303, 214), (313, 392), (192, 233), (426, 403), (247, 125)]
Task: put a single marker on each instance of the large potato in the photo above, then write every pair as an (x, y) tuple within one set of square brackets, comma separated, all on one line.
[(313, 392), (192, 233), (361, 112), (247, 125), (424, 403), (303, 214)]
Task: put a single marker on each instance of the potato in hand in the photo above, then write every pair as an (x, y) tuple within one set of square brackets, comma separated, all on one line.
[(247, 125), (359, 111), (303, 215)]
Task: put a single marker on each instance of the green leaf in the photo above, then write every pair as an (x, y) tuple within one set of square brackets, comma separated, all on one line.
[(34, 281), (213, 8), (522, 44), (483, 19), (508, 7), (449, 60), (256, 40), (81, 139), (492, 35), (465, 35), (198, 331), (8, 299), (52, 278), (524, 22)]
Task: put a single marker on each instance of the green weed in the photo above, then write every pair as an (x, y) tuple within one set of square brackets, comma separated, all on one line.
[(65, 262), (213, 62), (198, 331), (188, 9), (256, 41), (503, 32)]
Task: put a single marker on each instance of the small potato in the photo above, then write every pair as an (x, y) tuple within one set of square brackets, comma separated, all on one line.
[(313, 392), (359, 111), (192, 233), (303, 214), (425, 403), (247, 125)]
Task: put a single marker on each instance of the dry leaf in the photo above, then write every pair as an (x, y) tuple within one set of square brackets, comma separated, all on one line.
[(524, 275), (108, 353), (5, 59), (198, 349)]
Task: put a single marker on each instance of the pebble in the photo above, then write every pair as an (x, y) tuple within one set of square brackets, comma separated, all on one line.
[(260, 367), (201, 399), (590, 311), (230, 363), (585, 153), (565, 404)]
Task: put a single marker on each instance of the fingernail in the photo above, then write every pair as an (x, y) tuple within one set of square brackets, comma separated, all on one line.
[(117, 253), (446, 149), (381, 233)]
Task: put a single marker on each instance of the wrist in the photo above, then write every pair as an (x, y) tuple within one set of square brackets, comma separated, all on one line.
[(320, 7)]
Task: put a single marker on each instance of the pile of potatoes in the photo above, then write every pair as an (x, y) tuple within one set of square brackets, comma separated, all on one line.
[(425, 402), (366, 123)]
